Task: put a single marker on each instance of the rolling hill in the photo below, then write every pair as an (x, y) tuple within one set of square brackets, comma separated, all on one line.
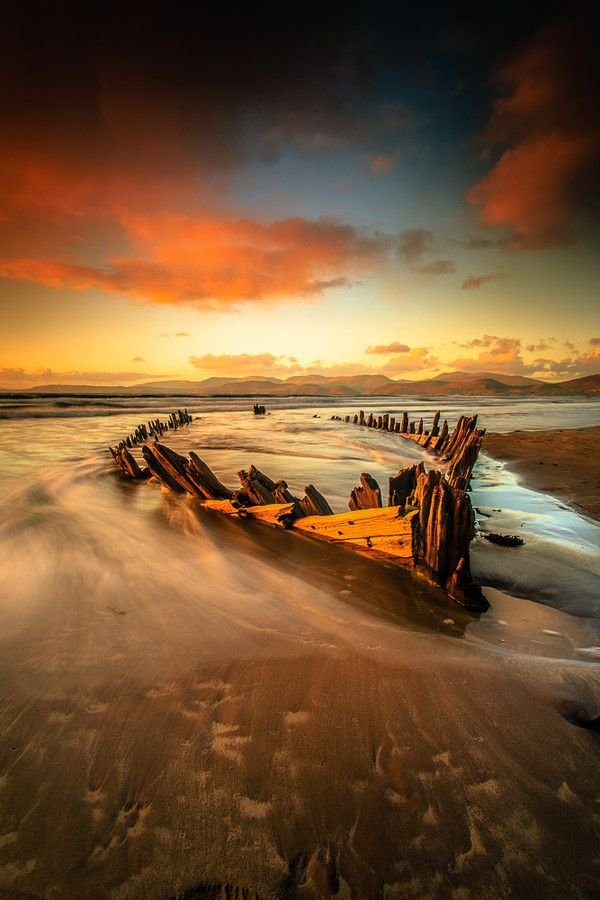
[(480, 384)]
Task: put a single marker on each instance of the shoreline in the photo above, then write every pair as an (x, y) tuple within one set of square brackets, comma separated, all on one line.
[(563, 462)]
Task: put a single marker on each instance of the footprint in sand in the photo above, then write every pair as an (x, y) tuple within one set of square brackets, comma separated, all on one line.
[(254, 809), (128, 823), (296, 718), (226, 742)]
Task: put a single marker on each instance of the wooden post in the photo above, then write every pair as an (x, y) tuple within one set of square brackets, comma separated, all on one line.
[(314, 503), (367, 496), (404, 425), (402, 485)]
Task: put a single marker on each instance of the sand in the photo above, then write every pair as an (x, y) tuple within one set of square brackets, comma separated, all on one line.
[(564, 463), (335, 735)]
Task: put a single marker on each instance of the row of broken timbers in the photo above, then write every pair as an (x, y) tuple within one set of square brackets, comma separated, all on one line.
[(427, 524), (154, 429)]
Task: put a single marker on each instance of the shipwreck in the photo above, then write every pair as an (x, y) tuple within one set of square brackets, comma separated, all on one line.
[(426, 525)]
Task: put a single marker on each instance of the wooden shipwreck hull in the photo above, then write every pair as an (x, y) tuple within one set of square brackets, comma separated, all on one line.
[(427, 525)]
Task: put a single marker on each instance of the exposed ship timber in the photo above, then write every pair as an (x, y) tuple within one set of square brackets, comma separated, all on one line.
[(428, 524)]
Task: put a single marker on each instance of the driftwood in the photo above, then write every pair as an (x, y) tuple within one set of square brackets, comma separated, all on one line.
[(367, 496), (429, 522)]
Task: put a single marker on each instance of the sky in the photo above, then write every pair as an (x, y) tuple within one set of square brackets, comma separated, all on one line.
[(403, 189)]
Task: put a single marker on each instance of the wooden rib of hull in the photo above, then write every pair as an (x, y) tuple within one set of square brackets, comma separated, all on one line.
[(382, 532)]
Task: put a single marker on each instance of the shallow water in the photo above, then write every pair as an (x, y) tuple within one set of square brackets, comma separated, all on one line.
[(55, 468)]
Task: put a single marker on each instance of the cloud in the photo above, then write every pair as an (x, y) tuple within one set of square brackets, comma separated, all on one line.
[(211, 262), (383, 164), (22, 378), (174, 334), (477, 281), (475, 242), (388, 349), (138, 359), (504, 354), (595, 341), (247, 364), (497, 354), (548, 130), (270, 365), (570, 367), (415, 243), (438, 267), (416, 360)]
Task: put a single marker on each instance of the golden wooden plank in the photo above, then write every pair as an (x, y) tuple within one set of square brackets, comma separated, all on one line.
[(362, 523)]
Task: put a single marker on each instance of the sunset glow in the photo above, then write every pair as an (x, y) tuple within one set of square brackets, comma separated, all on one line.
[(164, 215)]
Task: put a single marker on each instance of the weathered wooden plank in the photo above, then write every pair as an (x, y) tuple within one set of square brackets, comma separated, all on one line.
[(162, 466), (205, 479), (254, 488), (314, 503), (382, 522), (280, 514), (222, 506)]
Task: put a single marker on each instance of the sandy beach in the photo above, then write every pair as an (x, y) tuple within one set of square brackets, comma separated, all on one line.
[(562, 462)]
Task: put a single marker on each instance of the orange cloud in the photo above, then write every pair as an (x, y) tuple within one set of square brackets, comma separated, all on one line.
[(16, 378), (417, 359), (477, 281), (497, 354), (388, 349), (246, 363), (383, 164), (416, 243), (214, 261), (549, 132)]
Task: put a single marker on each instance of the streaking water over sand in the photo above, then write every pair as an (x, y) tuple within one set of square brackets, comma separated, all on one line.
[(189, 700)]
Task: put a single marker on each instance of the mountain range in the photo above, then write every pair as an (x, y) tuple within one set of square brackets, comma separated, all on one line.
[(447, 383)]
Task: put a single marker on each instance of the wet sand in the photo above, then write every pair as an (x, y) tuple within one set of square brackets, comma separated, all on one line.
[(343, 731), (564, 463)]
